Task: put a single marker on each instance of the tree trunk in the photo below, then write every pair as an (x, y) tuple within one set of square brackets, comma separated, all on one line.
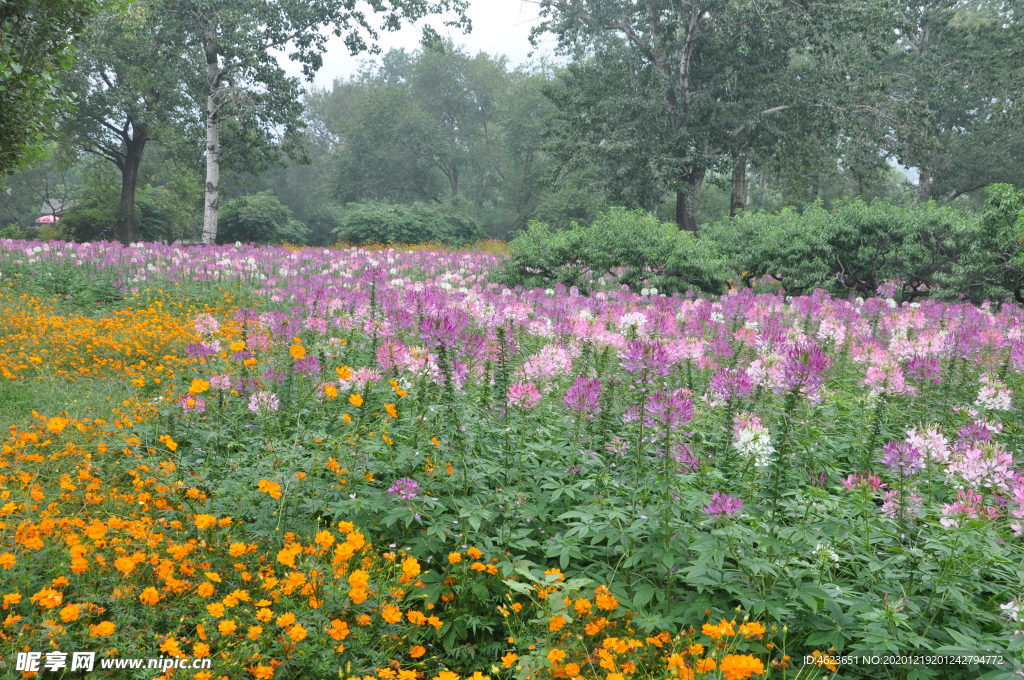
[(686, 203), (124, 227), (738, 200), (211, 190), (924, 185), (211, 194)]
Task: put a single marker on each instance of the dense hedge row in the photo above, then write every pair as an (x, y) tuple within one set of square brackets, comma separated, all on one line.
[(855, 248)]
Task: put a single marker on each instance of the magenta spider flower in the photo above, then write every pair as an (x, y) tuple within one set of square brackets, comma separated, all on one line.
[(902, 459), (722, 504), (583, 396), (406, 489), (523, 395), (668, 409)]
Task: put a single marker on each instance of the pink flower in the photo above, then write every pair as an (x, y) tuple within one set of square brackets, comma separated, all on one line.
[(192, 404), (983, 465), (722, 505), (911, 504), (523, 394), (264, 401), (550, 361), (864, 480), (205, 324), (968, 505)]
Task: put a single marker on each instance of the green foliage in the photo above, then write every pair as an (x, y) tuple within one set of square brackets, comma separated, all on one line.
[(991, 263), (322, 222), (437, 124), (12, 231), (379, 222), (92, 216), (854, 248), (259, 218), (35, 47), (162, 214), (627, 247)]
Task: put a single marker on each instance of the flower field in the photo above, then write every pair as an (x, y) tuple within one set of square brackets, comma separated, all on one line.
[(375, 463)]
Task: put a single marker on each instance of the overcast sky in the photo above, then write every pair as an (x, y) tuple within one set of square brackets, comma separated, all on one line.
[(500, 27)]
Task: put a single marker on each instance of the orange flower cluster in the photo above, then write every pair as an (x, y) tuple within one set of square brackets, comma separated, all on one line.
[(104, 539), (596, 640), (139, 343)]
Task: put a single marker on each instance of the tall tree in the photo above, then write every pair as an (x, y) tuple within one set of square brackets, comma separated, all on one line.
[(127, 91), (956, 84), (35, 47), (231, 47), (711, 73)]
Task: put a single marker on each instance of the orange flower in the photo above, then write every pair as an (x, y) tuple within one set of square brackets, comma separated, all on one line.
[(509, 659), (7, 560), (391, 613), (297, 351), (167, 441), (102, 629), (198, 386), (339, 630), (740, 666), (262, 672), (705, 665), (604, 599), (48, 598), (205, 521), (227, 627), (355, 399), (297, 633), (752, 629), (556, 655), (70, 613), (149, 596), (454, 557), (556, 623), (272, 489), (391, 410), (416, 651)]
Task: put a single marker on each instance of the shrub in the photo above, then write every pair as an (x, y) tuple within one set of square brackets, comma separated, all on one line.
[(380, 222), (12, 231), (628, 247), (259, 218), (321, 223), (854, 248), (160, 214), (991, 262)]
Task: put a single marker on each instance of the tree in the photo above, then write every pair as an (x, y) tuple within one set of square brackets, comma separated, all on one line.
[(35, 47), (956, 92), (231, 45), (388, 147), (703, 79), (260, 218), (440, 125), (127, 92), (47, 183)]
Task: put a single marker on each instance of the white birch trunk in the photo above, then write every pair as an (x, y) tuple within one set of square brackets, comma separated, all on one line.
[(211, 194)]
